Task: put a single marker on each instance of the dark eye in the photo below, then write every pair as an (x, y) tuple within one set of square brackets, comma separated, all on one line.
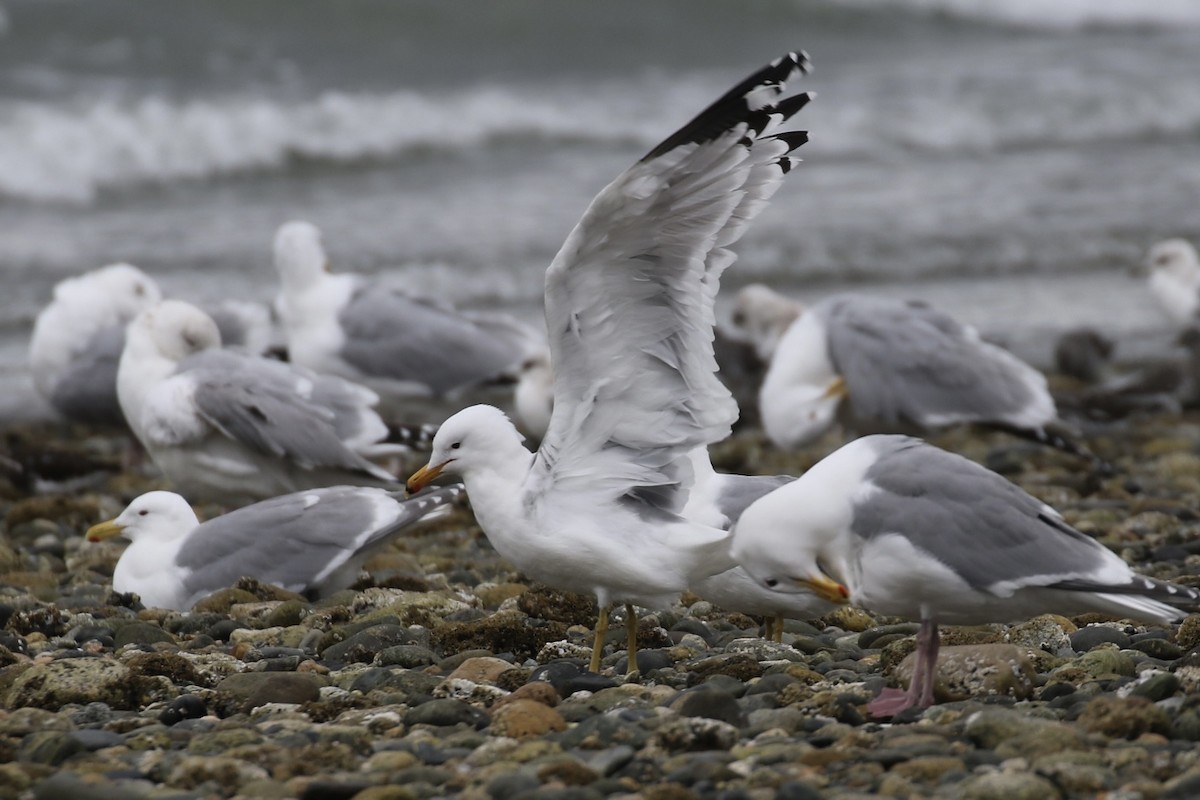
[(143, 513), (771, 583), (739, 318), (456, 445)]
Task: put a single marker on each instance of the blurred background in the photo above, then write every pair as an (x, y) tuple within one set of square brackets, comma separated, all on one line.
[(1009, 160)]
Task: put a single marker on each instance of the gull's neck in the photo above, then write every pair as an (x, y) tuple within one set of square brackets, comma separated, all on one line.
[(142, 367), (1176, 293), (497, 493), (148, 567), (309, 313)]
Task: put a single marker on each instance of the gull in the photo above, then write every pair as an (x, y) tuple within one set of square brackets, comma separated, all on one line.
[(893, 366), (629, 315), (903, 528), (312, 542), (398, 344), (231, 427), (1174, 278), (77, 341), (78, 338)]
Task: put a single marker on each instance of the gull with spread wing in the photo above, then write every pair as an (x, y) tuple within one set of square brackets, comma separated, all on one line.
[(600, 507)]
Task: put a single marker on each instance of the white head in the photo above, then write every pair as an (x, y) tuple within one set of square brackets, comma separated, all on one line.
[(123, 289), (786, 549), (1174, 257), (475, 439), (763, 316), (157, 516), (299, 255), (799, 416), (171, 330)]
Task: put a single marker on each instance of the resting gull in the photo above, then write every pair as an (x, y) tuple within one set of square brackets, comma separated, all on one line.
[(231, 427), (77, 341), (903, 528), (314, 542), (1174, 276), (884, 365), (629, 311), (78, 338), (400, 345)]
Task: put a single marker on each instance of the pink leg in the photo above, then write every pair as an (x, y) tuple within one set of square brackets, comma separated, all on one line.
[(891, 702)]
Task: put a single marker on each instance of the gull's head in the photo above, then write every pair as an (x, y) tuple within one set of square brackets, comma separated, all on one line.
[(1173, 257), (122, 290), (299, 255), (128, 288), (172, 330), (803, 414), (153, 516), (475, 439), (762, 316), (784, 550)]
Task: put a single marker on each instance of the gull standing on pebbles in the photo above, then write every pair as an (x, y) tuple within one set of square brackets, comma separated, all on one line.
[(891, 366), (1174, 276), (903, 528), (77, 341), (313, 542), (230, 427), (629, 314), (400, 345)]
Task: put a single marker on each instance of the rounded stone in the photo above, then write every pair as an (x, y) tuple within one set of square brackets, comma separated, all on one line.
[(408, 656), (1088, 637), (82, 681), (481, 669), (1009, 786), (248, 690), (523, 718), (446, 712)]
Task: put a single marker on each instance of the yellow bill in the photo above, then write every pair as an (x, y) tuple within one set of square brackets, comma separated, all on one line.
[(104, 530), (424, 476)]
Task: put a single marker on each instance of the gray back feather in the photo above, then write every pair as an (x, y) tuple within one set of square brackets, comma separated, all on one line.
[(390, 334), (904, 362), (985, 528)]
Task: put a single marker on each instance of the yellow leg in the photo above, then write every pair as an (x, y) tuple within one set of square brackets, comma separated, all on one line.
[(598, 645), (631, 622), (777, 632)]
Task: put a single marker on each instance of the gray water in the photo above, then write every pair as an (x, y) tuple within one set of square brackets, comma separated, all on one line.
[(1007, 164)]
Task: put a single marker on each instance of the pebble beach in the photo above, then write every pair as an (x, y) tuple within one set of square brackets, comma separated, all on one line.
[(445, 673)]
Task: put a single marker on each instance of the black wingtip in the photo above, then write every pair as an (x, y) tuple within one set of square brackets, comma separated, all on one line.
[(754, 97)]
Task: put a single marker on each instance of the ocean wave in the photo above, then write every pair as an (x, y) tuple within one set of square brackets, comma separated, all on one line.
[(71, 152), (1057, 14)]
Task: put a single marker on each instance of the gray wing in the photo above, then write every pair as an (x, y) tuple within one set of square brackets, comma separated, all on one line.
[(297, 540), (242, 324), (393, 335), (265, 408), (908, 363), (629, 299), (977, 523), (87, 390), (735, 493)]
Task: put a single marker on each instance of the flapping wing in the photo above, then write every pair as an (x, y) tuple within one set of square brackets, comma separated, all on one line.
[(394, 335), (629, 298), (909, 363)]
